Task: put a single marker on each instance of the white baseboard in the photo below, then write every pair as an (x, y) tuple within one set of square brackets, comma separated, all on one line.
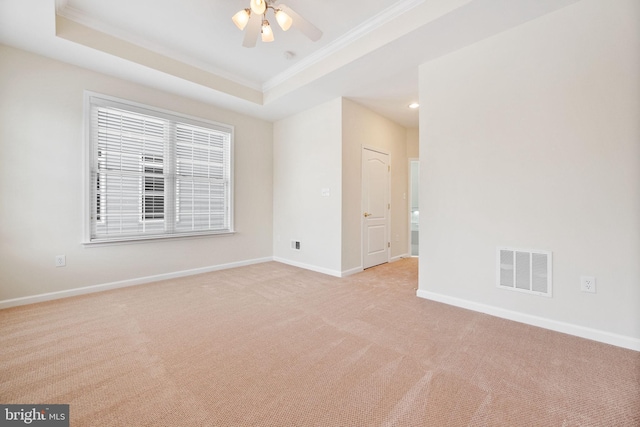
[(399, 257), (124, 283), (335, 273), (351, 271), (554, 325), (317, 269)]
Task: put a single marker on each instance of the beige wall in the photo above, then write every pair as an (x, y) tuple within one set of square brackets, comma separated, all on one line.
[(41, 184), (530, 139), (413, 143), (362, 127), (306, 161), (282, 172), (321, 149)]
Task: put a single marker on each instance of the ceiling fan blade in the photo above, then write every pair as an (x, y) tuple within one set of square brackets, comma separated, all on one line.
[(307, 28), (252, 30)]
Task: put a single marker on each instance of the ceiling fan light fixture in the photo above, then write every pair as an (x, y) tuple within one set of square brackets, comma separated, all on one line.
[(283, 19), (258, 6), (241, 18), (267, 32), (253, 20)]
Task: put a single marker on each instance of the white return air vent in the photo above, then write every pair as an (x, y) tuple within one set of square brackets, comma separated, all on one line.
[(524, 270)]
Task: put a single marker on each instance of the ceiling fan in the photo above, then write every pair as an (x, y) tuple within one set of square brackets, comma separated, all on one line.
[(254, 18)]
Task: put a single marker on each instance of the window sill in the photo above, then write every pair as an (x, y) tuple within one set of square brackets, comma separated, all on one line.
[(147, 239)]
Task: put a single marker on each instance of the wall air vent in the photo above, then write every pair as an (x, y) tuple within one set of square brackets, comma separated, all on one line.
[(524, 270)]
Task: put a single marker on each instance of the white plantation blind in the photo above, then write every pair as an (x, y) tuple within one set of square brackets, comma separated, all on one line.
[(202, 179), (155, 174)]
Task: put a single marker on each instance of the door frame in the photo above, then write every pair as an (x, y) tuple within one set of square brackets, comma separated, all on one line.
[(410, 201), (362, 209)]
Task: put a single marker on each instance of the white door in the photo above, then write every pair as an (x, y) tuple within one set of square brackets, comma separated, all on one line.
[(375, 207)]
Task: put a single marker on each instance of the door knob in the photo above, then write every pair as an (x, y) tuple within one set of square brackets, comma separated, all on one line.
[(366, 214)]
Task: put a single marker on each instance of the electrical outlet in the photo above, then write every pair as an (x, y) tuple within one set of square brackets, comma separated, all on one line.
[(588, 284), (61, 260)]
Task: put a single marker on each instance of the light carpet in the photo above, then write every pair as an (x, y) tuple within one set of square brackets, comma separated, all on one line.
[(274, 345)]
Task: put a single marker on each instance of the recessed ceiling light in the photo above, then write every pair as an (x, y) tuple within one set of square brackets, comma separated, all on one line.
[(414, 105)]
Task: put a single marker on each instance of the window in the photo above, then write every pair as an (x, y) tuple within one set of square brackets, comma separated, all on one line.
[(154, 173)]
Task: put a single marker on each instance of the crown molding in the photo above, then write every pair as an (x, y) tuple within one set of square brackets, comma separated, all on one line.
[(367, 27), (73, 14), (61, 5)]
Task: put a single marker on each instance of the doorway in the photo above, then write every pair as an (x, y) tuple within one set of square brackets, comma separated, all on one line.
[(414, 212)]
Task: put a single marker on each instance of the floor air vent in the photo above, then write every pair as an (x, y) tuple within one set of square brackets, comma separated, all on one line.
[(525, 270)]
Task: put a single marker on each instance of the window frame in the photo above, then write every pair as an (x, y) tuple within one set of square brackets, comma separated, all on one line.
[(94, 98)]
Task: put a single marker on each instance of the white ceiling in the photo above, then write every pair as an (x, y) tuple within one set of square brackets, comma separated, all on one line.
[(369, 52)]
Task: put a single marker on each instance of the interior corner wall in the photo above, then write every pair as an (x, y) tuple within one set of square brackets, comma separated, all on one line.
[(41, 184), (363, 127), (530, 139), (307, 162)]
